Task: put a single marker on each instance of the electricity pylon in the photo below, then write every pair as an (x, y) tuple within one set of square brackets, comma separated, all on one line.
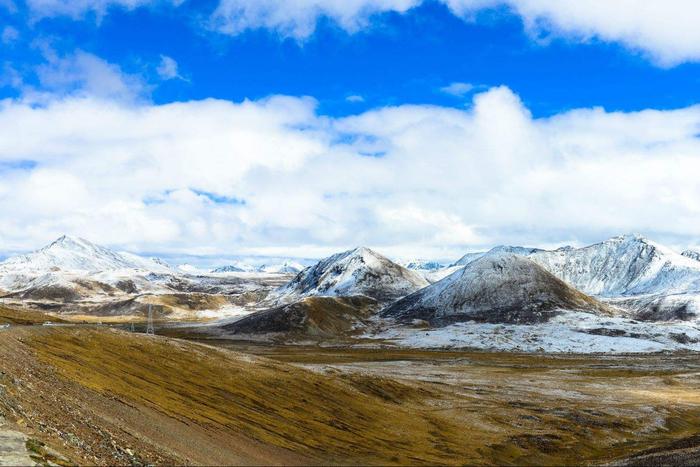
[(150, 329)]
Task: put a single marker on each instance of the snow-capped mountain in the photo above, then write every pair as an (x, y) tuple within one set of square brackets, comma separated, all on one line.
[(71, 267), (623, 266), (78, 255), (498, 288), (355, 272)]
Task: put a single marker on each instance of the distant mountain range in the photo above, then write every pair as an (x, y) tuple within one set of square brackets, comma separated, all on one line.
[(78, 276), (624, 280), (589, 296), (284, 267)]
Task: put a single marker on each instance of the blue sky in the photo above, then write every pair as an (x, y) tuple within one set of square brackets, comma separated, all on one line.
[(402, 58), (243, 126)]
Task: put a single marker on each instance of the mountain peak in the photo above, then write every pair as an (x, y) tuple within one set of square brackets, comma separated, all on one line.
[(67, 241), (631, 237), (360, 271)]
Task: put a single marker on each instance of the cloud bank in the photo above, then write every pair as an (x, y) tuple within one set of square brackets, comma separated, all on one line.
[(666, 31), (275, 177)]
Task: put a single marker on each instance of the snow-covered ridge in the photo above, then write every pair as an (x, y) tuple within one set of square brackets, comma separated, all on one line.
[(355, 272), (516, 250), (73, 254), (623, 266)]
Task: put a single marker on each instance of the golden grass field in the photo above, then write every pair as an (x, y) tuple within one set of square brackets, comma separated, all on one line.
[(99, 395)]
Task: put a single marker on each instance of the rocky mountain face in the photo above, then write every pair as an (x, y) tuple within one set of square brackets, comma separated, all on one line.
[(624, 265), (499, 288), (692, 254), (355, 272), (652, 281)]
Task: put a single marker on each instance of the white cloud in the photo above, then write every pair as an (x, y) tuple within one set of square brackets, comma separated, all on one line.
[(272, 175), (168, 69), (666, 31), (298, 18), (458, 89), (82, 74)]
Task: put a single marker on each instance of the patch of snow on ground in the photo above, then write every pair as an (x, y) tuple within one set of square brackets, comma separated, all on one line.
[(225, 312), (573, 332)]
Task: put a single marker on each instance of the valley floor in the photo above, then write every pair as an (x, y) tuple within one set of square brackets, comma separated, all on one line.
[(92, 395)]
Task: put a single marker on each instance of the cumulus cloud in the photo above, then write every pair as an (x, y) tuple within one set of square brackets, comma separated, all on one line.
[(666, 31), (274, 176)]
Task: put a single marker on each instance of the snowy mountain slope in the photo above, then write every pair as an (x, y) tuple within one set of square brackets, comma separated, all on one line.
[(73, 269), (60, 264), (692, 254), (355, 272), (498, 287), (77, 254), (622, 266), (661, 307), (468, 258)]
